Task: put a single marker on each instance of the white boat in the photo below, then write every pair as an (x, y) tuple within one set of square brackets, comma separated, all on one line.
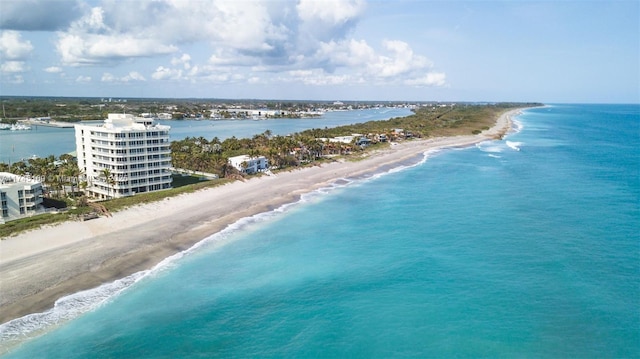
[(19, 127)]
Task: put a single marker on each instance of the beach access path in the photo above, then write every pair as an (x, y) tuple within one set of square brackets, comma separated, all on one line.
[(40, 266)]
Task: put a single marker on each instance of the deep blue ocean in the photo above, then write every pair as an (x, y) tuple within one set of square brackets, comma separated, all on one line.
[(525, 247)]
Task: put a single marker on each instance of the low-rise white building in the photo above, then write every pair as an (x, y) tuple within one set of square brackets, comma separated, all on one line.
[(343, 139), (249, 165), (20, 196)]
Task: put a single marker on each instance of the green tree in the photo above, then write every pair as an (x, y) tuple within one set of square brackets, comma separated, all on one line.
[(108, 179)]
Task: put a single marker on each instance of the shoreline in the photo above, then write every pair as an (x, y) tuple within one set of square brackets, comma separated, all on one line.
[(39, 267)]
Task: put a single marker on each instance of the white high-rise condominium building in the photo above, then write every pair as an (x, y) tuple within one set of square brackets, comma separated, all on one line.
[(124, 156)]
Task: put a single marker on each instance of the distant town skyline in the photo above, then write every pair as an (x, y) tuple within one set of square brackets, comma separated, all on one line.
[(351, 50)]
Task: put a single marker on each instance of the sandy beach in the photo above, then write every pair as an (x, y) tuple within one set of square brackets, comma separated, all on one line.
[(39, 267)]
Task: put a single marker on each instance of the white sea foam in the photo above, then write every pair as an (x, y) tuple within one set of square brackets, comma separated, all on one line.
[(490, 146), (64, 309), (514, 145), (517, 126)]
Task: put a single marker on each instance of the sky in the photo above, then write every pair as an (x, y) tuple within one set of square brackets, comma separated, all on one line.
[(349, 50)]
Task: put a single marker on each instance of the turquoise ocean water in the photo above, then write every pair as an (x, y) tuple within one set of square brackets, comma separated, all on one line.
[(527, 247)]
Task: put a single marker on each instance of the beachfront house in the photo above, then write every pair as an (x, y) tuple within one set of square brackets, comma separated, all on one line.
[(123, 156), (20, 196), (249, 165), (363, 142)]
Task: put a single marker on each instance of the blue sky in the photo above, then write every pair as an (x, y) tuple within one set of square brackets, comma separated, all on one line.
[(548, 51)]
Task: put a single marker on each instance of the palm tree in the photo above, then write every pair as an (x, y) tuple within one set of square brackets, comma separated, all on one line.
[(71, 173), (66, 158), (231, 144), (222, 163), (44, 169), (272, 155), (216, 148), (108, 178), (203, 141), (244, 165), (83, 185), (254, 152), (18, 168)]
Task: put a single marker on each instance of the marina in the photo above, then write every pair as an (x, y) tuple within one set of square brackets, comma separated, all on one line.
[(49, 123), (14, 127)]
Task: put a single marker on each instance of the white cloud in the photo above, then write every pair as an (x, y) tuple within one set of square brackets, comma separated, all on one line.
[(231, 58), (93, 21), (125, 47), (164, 73), (12, 67), (244, 26), (131, 76), (268, 31), (184, 60), (112, 32), (53, 69), (430, 79), (254, 80), (90, 40), (350, 53), (83, 79), (397, 64), (107, 77), (71, 50), (332, 12), (317, 77), (201, 74), (12, 47), (15, 79), (400, 60), (326, 20), (260, 41), (334, 63), (95, 49)]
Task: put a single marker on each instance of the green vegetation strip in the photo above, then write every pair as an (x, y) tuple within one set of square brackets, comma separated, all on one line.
[(12, 228)]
